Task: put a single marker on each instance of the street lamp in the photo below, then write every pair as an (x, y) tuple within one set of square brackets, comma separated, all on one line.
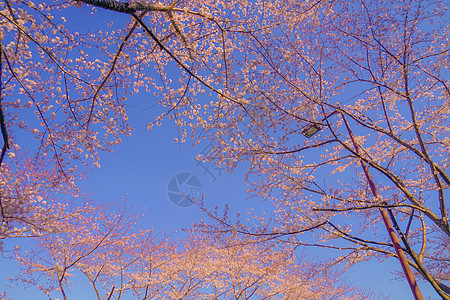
[(311, 130), (314, 128)]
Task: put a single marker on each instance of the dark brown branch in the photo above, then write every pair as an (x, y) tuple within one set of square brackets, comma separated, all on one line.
[(127, 7), (444, 218), (184, 67), (111, 293), (44, 120), (401, 185), (368, 207), (111, 70), (2, 116), (355, 239)]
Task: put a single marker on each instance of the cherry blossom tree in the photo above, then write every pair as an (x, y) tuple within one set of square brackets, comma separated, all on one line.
[(57, 97), (253, 77), (280, 67), (117, 262), (29, 207)]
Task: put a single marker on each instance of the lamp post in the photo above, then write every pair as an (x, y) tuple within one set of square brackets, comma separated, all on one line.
[(315, 128)]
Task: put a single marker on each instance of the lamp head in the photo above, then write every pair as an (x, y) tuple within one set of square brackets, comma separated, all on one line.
[(311, 130)]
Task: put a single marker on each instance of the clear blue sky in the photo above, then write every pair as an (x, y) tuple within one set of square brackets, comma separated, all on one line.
[(140, 170)]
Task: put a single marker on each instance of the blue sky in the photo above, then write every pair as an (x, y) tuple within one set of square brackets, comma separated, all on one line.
[(142, 166), (139, 171)]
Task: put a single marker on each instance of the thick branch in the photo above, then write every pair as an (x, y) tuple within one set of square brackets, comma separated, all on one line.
[(128, 7), (2, 116)]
